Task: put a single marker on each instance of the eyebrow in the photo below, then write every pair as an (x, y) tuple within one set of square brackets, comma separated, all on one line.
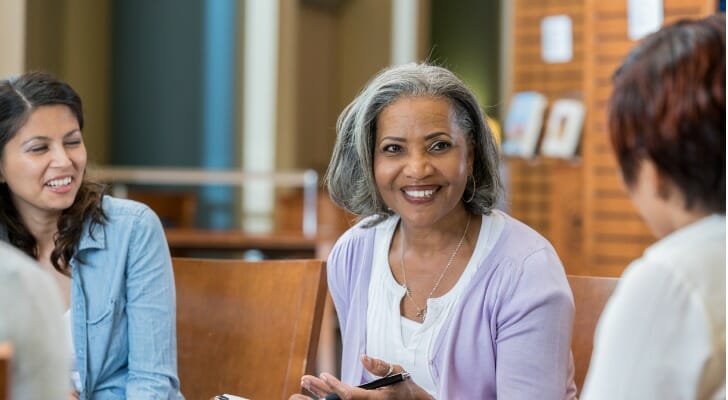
[(428, 137), (46, 138)]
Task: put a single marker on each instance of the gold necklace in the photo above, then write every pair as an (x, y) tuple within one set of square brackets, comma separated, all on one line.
[(422, 312)]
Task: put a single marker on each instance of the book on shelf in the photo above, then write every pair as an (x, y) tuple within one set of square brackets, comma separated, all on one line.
[(523, 124), (563, 128)]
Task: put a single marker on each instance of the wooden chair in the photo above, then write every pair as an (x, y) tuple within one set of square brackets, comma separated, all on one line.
[(331, 222), (6, 355), (590, 296), (176, 209), (248, 328)]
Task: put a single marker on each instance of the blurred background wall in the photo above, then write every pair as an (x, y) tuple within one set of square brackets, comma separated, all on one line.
[(258, 85), (163, 81)]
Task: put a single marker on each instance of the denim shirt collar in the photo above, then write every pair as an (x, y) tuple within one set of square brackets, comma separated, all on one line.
[(93, 239)]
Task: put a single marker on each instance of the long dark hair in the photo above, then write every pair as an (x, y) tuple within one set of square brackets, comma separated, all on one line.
[(19, 97)]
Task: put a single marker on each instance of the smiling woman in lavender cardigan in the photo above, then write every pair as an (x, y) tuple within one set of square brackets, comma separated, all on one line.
[(433, 280)]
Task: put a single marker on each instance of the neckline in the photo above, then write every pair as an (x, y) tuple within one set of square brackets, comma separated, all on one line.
[(470, 267)]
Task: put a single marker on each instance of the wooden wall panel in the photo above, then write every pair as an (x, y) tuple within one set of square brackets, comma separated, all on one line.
[(545, 193), (614, 234), (581, 206)]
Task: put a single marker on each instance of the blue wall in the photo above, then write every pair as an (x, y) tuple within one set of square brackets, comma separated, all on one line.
[(173, 81), (157, 70)]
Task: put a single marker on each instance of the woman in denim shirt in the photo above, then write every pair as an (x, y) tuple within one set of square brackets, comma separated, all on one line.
[(109, 256)]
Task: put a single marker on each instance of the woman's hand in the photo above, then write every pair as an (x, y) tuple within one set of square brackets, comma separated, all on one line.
[(74, 395), (327, 383)]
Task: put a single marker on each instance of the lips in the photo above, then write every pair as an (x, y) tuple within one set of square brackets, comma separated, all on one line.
[(420, 192), (56, 183)]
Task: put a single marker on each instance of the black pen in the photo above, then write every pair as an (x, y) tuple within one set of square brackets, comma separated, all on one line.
[(377, 383)]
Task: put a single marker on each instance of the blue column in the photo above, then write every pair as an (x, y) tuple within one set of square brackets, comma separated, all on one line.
[(218, 103)]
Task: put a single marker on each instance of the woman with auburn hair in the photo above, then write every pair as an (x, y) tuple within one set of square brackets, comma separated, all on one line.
[(662, 334)]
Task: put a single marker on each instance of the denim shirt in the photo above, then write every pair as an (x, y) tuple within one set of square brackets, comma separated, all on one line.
[(123, 307)]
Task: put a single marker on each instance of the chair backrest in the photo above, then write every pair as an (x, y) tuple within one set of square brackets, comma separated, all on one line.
[(176, 209), (332, 220), (249, 328), (590, 296), (6, 355)]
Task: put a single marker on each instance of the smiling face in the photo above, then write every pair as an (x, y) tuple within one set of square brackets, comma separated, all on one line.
[(43, 164), (421, 160)]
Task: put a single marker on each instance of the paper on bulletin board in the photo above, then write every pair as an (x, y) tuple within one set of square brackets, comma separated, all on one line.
[(643, 17), (557, 39)]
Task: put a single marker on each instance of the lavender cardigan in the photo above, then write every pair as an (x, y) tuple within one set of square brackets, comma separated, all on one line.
[(508, 337)]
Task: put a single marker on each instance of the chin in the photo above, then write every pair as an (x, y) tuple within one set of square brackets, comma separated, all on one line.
[(63, 206)]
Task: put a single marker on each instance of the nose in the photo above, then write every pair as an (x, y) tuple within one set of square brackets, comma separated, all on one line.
[(60, 157), (418, 166)]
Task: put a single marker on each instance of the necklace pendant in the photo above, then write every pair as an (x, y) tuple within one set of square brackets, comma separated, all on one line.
[(421, 313)]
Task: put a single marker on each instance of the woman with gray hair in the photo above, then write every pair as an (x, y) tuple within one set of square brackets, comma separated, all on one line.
[(433, 280)]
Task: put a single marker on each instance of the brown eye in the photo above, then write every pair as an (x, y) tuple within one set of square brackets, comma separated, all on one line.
[(392, 148), (440, 146)]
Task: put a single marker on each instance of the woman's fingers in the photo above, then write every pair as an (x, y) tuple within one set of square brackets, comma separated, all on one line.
[(379, 367), (344, 391), (315, 386)]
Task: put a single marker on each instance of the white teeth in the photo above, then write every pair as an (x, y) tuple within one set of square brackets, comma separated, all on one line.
[(420, 193), (59, 182)]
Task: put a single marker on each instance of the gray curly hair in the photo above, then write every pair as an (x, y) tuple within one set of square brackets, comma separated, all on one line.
[(350, 175)]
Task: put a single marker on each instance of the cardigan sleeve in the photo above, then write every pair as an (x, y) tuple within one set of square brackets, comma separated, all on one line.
[(337, 277), (348, 268), (534, 324)]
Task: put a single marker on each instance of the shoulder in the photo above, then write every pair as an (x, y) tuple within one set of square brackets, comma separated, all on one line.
[(694, 256), (351, 257), (24, 285), (654, 297), (17, 269), (124, 220), (125, 212), (355, 238), (686, 266), (31, 319), (654, 325), (519, 239), (115, 207), (523, 268), (651, 285), (520, 250)]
